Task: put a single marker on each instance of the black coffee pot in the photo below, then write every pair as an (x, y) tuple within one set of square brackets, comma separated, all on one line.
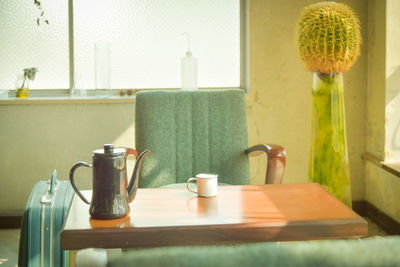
[(111, 192)]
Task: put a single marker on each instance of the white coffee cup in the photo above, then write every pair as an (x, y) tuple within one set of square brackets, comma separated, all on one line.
[(207, 184)]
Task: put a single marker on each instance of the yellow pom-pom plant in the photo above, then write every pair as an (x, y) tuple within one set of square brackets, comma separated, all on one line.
[(329, 40)]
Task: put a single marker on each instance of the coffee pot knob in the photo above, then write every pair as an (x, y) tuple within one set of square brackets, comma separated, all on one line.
[(108, 148)]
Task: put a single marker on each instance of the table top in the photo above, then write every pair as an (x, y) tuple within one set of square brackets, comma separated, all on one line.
[(248, 213)]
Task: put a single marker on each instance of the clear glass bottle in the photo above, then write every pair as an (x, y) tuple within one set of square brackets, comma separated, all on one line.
[(102, 62)]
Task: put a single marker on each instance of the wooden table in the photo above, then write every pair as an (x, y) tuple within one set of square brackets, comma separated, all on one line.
[(250, 213)]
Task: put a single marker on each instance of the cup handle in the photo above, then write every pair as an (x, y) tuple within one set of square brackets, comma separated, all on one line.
[(71, 177), (187, 184)]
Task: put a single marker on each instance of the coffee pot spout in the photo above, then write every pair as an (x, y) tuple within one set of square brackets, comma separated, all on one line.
[(134, 182)]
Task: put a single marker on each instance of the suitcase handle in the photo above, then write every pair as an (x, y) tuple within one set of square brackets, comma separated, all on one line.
[(47, 198), (71, 177), (53, 182)]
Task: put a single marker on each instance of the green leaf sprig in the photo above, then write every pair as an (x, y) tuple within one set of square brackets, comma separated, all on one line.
[(38, 4), (29, 74)]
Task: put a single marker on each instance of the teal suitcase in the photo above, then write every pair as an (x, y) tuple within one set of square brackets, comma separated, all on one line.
[(42, 222)]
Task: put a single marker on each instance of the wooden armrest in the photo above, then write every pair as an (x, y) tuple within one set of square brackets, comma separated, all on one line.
[(276, 155)]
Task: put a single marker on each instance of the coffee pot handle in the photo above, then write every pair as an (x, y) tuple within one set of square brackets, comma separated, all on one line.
[(71, 177), (131, 151)]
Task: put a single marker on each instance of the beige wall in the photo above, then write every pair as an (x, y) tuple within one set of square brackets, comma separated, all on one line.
[(279, 103), (393, 81), (383, 190), (383, 102), (35, 139), (376, 78)]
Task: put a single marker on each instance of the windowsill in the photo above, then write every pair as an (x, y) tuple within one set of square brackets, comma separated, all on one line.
[(62, 96), (67, 100), (392, 167)]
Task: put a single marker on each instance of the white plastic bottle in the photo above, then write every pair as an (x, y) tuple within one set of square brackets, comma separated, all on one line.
[(188, 69)]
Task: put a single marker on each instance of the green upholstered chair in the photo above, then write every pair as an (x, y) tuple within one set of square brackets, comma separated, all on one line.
[(202, 131)]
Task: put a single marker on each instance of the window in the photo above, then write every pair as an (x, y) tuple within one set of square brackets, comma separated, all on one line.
[(145, 37), (23, 44)]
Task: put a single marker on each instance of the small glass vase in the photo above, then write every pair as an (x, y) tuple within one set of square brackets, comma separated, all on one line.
[(329, 165), (22, 87), (102, 70)]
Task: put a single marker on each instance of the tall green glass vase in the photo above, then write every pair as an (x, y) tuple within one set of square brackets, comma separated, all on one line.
[(329, 165)]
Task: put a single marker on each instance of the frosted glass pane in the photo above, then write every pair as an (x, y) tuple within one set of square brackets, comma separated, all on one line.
[(146, 41), (24, 44)]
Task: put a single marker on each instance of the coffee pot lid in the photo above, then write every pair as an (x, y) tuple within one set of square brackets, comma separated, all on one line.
[(110, 151)]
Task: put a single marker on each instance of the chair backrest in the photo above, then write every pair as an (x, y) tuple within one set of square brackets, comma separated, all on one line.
[(191, 132)]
